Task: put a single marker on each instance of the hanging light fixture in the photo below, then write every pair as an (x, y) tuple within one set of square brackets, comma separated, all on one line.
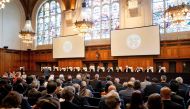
[(2, 3), (84, 25), (27, 34), (177, 13)]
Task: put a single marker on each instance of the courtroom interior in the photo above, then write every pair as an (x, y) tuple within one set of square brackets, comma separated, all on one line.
[(95, 54)]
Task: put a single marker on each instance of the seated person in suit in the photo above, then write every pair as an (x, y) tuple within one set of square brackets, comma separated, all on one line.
[(46, 72), (68, 94), (165, 93), (92, 68), (48, 103), (67, 69), (74, 69), (118, 69), (127, 69), (99, 69), (148, 69), (161, 69), (63, 69), (96, 83), (112, 100), (138, 69), (110, 69)]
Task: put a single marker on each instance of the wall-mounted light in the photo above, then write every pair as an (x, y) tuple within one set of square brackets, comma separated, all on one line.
[(133, 4)]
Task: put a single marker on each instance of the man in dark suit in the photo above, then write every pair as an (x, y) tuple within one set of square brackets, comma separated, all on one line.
[(110, 69), (148, 70), (50, 91), (78, 79), (46, 72), (48, 103), (163, 80), (117, 84), (69, 81), (138, 69), (79, 100), (127, 69), (174, 86), (183, 90), (160, 70), (127, 93), (154, 87), (166, 99), (68, 95), (96, 84)]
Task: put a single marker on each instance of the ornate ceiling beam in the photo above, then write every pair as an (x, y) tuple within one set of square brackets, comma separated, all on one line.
[(28, 6)]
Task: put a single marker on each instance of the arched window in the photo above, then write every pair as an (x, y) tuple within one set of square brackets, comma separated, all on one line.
[(48, 22), (105, 16), (159, 6)]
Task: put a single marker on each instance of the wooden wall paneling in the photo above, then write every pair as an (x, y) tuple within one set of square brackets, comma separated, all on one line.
[(179, 66), (110, 64), (170, 50), (184, 51), (166, 64), (1, 61), (103, 54), (31, 60), (7, 61), (162, 52), (87, 55), (70, 62), (136, 61), (106, 54), (92, 55)]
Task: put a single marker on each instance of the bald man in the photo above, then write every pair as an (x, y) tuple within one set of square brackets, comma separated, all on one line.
[(165, 93), (111, 87)]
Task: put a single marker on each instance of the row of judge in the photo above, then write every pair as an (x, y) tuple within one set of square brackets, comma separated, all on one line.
[(61, 69), (128, 69), (103, 69)]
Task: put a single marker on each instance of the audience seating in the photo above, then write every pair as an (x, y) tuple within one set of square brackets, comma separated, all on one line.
[(89, 107), (96, 94), (93, 101)]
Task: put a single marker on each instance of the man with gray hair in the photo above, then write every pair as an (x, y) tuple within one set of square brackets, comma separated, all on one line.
[(61, 77), (179, 80), (68, 95), (163, 80), (78, 79), (96, 83), (183, 90), (117, 84)]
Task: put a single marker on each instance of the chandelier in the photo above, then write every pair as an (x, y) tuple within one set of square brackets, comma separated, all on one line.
[(2, 3), (132, 4), (84, 26), (177, 14), (27, 34)]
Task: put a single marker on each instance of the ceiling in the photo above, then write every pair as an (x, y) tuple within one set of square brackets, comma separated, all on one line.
[(28, 6)]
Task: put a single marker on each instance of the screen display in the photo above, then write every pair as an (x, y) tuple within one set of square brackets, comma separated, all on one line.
[(135, 41), (69, 47)]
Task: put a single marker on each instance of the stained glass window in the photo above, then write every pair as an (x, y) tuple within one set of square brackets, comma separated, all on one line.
[(105, 16), (159, 6), (48, 22)]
